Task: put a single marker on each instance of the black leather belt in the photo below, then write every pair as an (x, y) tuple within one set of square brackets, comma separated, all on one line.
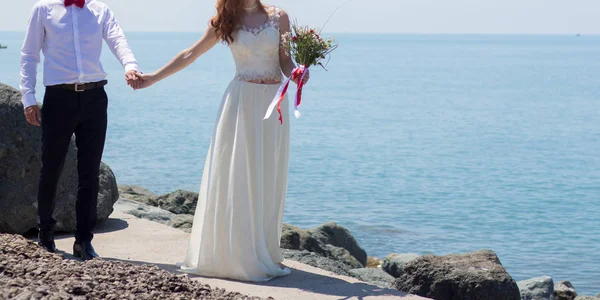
[(80, 87)]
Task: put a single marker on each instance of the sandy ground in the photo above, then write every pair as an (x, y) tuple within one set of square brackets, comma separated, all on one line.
[(126, 238)]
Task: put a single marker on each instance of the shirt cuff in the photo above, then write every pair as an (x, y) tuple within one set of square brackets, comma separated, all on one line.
[(132, 66), (28, 100)]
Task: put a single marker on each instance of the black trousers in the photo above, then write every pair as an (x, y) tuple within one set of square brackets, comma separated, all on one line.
[(65, 113)]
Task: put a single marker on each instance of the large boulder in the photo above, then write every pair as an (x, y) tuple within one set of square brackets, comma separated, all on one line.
[(178, 202), (472, 276), (539, 288), (564, 290), (338, 236), (394, 263), (20, 151), (136, 193), (322, 243)]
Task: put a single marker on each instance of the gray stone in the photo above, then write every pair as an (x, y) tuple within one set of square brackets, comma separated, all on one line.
[(539, 288), (136, 193), (564, 290), (394, 263), (20, 151), (322, 241), (155, 214), (178, 202), (317, 261), (471, 276), (588, 297), (375, 276), (144, 211), (183, 222), (333, 234)]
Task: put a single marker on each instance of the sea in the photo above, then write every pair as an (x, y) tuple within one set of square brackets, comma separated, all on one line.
[(428, 144)]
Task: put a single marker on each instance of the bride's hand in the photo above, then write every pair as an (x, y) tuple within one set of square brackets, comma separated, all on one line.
[(146, 80), (306, 77)]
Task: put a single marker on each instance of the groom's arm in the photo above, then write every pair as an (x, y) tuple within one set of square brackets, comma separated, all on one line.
[(30, 59), (117, 42)]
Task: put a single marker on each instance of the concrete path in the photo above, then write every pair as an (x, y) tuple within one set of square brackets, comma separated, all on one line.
[(126, 238)]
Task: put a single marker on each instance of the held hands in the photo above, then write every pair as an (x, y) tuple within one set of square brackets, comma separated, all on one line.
[(140, 81)]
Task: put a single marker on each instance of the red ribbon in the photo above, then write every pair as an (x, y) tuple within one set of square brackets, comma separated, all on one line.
[(297, 74)]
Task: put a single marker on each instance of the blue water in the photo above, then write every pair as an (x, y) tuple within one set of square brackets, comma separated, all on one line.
[(428, 144)]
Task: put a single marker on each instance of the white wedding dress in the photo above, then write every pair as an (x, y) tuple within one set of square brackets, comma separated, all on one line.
[(239, 217)]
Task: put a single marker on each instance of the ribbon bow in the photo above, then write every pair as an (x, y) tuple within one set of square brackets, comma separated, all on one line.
[(78, 3), (297, 73)]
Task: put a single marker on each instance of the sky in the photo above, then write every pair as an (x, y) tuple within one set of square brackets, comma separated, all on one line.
[(361, 16)]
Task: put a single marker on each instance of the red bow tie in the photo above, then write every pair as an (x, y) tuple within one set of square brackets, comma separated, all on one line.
[(78, 3)]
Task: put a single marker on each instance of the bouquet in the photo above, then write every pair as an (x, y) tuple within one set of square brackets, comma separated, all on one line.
[(308, 49)]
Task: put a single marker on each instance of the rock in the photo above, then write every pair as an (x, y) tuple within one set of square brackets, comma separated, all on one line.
[(155, 214), (136, 193), (338, 236), (317, 261), (144, 211), (108, 194), (20, 150), (587, 297), (394, 263), (178, 202), (374, 262), (375, 276), (342, 255), (540, 288), (564, 290), (319, 242), (183, 222), (471, 276)]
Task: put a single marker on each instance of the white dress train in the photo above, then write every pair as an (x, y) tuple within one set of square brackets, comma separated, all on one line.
[(239, 216)]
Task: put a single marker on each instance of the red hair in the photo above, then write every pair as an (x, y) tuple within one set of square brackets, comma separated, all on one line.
[(228, 18)]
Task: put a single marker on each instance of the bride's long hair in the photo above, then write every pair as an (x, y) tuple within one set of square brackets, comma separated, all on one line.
[(228, 18)]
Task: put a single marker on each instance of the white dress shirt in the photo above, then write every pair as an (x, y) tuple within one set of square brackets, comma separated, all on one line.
[(71, 40)]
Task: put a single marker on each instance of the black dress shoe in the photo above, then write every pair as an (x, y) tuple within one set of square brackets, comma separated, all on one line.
[(48, 246), (46, 241), (84, 251)]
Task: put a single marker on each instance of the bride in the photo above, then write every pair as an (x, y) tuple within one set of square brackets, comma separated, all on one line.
[(238, 219)]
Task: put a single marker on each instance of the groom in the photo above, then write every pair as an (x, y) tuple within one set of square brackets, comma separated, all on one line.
[(70, 35)]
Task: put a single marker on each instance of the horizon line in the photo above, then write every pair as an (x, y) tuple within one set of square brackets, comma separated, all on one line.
[(374, 32)]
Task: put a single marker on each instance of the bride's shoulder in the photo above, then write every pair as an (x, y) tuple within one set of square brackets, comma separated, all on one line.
[(276, 11)]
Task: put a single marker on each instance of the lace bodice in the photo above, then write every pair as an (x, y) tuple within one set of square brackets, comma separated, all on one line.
[(256, 50)]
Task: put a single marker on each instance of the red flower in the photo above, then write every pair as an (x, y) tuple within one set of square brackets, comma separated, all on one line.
[(317, 36), (312, 31), (294, 38)]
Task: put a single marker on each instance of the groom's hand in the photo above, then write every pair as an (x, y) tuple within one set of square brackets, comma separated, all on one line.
[(33, 116)]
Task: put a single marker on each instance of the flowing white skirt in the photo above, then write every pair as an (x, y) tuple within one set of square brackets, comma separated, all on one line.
[(239, 217)]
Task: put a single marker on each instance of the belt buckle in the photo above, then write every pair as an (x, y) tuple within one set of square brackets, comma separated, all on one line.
[(77, 85)]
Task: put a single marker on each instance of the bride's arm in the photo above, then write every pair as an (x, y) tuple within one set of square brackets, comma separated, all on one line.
[(183, 59), (285, 59)]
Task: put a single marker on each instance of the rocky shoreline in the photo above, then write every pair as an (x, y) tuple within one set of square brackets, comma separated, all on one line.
[(477, 275)]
